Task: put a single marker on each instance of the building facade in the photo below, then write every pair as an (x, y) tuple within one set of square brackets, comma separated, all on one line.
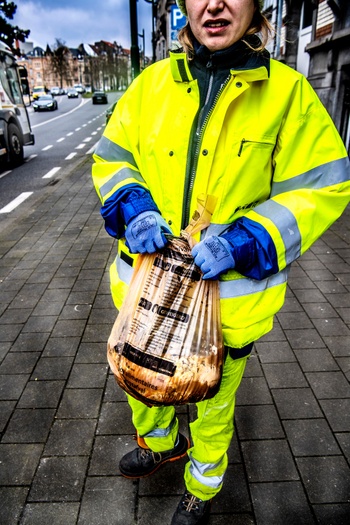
[(102, 65), (329, 71)]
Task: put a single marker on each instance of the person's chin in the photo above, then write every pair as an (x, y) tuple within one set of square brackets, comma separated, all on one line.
[(216, 45)]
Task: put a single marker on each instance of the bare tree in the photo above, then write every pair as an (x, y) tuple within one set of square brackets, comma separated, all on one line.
[(59, 60)]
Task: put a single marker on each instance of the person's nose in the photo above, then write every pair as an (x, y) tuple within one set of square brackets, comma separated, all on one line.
[(215, 6)]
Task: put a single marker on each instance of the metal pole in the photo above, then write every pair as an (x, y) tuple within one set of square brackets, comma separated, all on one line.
[(153, 32), (134, 50), (154, 5), (142, 35), (278, 28)]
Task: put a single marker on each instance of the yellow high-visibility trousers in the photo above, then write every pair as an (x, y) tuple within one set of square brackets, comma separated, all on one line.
[(211, 432)]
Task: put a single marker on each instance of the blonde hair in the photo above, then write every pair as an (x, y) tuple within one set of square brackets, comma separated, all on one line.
[(260, 26)]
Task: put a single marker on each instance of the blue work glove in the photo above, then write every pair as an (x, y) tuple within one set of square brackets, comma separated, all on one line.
[(213, 256), (145, 233)]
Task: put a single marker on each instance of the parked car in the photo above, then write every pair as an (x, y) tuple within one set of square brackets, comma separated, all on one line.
[(99, 97), (45, 103), (38, 91), (80, 88), (72, 93), (110, 111), (56, 91)]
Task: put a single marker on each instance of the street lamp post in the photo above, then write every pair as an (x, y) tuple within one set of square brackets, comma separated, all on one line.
[(134, 50), (153, 2)]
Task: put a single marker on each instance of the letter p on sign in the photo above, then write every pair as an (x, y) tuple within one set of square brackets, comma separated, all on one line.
[(178, 20)]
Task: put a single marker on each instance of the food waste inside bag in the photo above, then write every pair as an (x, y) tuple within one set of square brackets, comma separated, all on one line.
[(166, 345)]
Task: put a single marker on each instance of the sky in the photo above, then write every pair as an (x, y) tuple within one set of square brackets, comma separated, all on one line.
[(82, 21)]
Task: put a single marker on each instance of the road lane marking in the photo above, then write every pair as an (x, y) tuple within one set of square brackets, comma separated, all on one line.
[(47, 147), (70, 134), (80, 146), (51, 173), (60, 140), (5, 173), (16, 202), (87, 139), (31, 157), (84, 101), (91, 150), (71, 155), (77, 129)]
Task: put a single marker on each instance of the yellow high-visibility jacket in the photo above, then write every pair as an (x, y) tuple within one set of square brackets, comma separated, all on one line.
[(269, 152)]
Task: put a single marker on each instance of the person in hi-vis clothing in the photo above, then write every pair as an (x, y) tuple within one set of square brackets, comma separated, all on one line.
[(218, 117)]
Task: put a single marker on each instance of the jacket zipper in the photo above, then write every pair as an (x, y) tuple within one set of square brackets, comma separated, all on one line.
[(244, 141), (199, 136)]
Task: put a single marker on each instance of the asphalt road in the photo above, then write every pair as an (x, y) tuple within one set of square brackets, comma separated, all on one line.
[(63, 138)]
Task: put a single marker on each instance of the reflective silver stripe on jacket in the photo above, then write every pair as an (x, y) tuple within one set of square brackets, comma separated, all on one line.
[(124, 270), (334, 172), (286, 224), (110, 151), (161, 432), (123, 174), (228, 289), (198, 471), (246, 286)]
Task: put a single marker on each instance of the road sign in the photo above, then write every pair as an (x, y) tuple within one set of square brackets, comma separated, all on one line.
[(178, 20)]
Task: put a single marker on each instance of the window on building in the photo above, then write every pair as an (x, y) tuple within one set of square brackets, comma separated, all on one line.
[(307, 14)]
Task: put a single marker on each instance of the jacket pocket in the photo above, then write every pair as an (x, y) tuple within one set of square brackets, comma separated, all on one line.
[(255, 143)]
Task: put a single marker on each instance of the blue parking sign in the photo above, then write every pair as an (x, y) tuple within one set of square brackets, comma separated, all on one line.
[(178, 20)]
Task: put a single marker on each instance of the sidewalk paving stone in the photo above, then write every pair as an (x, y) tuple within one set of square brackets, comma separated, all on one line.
[(281, 503), (326, 478), (19, 463), (325, 514), (65, 423), (311, 438), (29, 426), (59, 479), (337, 412), (54, 513), (269, 460), (12, 502), (295, 403)]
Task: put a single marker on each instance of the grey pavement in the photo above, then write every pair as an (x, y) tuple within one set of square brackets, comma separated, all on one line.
[(65, 423)]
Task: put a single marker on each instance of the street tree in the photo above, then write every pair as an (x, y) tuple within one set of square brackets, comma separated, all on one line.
[(59, 60), (10, 34)]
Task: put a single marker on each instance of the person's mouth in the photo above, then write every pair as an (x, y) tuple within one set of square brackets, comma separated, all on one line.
[(213, 24)]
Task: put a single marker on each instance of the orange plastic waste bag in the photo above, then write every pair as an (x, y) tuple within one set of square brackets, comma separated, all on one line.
[(166, 345)]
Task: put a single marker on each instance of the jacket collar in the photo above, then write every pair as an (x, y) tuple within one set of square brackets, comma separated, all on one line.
[(239, 58)]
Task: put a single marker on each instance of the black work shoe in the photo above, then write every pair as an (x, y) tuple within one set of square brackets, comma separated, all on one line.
[(142, 462), (191, 511)]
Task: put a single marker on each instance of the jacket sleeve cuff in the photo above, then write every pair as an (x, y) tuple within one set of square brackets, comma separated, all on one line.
[(243, 247), (136, 204), (123, 206), (253, 249)]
